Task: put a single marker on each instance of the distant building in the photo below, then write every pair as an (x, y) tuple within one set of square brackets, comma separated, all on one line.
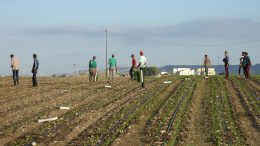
[(164, 73), (189, 72), (183, 71), (201, 71)]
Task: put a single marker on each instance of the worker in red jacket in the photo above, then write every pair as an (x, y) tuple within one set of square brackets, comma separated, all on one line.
[(133, 66)]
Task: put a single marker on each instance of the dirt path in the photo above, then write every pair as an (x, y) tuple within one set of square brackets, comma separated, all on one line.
[(196, 132), (248, 127), (136, 132)]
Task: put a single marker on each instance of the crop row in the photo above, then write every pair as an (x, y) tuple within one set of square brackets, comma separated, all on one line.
[(27, 118), (106, 130), (224, 126), (177, 117), (65, 124), (249, 94), (162, 126)]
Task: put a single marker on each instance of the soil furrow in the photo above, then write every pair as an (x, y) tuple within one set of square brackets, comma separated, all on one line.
[(52, 102), (136, 131), (196, 132), (248, 126), (48, 110), (94, 99), (115, 118)]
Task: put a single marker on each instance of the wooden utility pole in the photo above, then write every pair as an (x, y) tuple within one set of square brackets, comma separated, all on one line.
[(106, 55)]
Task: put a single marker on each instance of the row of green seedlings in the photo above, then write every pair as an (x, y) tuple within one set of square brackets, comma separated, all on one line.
[(225, 129), (107, 130), (159, 124), (230, 116), (52, 130), (252, 88), (204, 115), (176, 122), (160, 102), (154, 108), (248, 93), (12, 127), (255, 79), (122, 111)]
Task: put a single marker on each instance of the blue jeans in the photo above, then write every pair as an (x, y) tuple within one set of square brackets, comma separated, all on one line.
[(16, 76)]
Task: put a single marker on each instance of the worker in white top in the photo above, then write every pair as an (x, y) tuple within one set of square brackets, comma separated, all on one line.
[(15, 69), (142, 66)]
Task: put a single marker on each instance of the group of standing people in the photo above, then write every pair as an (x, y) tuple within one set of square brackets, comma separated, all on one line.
[(112, 62), (15, 64), (93, 68), (245, 64), (141, 66)]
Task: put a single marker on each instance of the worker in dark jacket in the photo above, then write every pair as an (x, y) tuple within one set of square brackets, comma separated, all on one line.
[(226, 64), (35, 70), (247, 64)]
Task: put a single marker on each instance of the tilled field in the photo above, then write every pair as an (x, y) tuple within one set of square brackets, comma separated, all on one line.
[(187, 111)]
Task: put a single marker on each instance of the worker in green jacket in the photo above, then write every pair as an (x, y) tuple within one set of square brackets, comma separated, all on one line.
[(93, 70), (112, 67)]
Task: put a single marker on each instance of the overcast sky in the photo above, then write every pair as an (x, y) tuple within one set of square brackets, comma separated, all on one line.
[(67, 32)]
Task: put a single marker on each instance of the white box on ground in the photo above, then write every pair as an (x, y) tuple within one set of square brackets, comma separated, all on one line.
[(47, 120), (167, 82), (107, 86), (64, 108)]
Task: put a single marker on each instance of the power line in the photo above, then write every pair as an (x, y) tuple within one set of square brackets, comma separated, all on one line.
[(185, 44)]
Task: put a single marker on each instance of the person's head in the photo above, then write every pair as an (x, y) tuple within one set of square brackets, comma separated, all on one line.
[(132, 55), (246, 53), (94, 57), (243, 53), (226, 53), (141, 53), (113, 55), (34, 56), (12, 55), (206, 56)]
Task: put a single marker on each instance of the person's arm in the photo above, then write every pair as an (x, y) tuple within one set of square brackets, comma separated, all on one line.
[(33, 68), (116, 65), (135, 65), (37, 65), (109, 62), (249, 60), (12, 63), (140, 61)]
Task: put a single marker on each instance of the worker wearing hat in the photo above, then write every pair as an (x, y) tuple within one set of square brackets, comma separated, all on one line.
[(93, 70), (142, 66)]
